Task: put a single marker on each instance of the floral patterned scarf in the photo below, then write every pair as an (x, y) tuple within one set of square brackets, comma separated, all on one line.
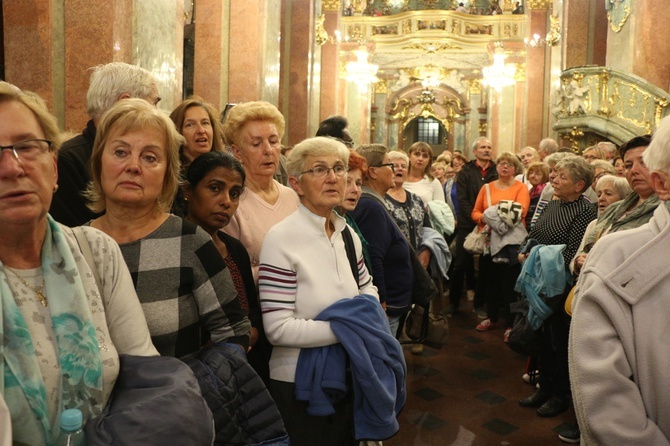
[(21, 382)]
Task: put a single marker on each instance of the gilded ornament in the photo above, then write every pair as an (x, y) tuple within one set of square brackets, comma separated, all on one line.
[(618, 12), (474, 86), (660, 104), (432, 47), (539, 4), (331, 5), (382, 87), (320, 33)]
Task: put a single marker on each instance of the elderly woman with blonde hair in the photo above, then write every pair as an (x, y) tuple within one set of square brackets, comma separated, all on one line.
[(51, 308), (254, 130), (618, 340), (186, 290), (528, 156)]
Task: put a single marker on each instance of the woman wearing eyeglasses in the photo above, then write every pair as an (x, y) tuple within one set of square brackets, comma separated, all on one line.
[(306, 272), (389, 250), (60, 349)]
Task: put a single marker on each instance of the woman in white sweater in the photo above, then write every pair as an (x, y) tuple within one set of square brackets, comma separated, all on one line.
[(420, 180), (304, 269)]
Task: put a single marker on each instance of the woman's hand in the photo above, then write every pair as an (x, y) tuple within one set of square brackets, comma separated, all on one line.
[(579, 262), (522, 257), (253, 337), (424, 257)]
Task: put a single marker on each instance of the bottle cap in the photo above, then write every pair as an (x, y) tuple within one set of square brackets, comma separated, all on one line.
[(71, 419)]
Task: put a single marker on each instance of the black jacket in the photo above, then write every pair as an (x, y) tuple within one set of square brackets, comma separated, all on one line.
[(244, 412), (468, 183), (69, 206)]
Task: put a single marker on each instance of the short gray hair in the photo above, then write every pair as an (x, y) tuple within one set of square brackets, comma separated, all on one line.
[(477, 141), (579, 170), (373, 153), (607, 147), (619, 184), (604, 165), (397, 154), (557, 157), (548, 145), (110, 81), (317, 146), (657, 154)]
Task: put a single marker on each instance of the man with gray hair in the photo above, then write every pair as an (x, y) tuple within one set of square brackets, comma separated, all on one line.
[(109, 83), (547, 147), (609, 150)]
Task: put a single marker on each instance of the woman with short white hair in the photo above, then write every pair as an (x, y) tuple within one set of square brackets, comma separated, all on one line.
[(305, 270)]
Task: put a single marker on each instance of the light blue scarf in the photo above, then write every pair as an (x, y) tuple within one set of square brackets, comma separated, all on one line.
[(77, 347)]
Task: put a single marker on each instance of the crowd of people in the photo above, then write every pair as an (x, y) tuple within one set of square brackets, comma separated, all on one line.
[(205, 232)]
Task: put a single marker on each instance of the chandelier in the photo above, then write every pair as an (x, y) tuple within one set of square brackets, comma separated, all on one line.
[(499, 74), (360, 71), (552, 38)]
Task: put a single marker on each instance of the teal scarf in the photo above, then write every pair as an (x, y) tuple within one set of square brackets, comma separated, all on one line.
[(77, 347)]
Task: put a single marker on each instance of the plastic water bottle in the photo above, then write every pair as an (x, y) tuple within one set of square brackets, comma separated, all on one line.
[(71, 433)]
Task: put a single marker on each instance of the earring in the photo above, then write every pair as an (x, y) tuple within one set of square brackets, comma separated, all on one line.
[(55, 188)]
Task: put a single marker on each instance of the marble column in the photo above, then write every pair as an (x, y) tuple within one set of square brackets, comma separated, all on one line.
[(576, 34), (244, 62), (537, 86), (651, 58), (211, 51), (33, 40), (49, 47), (330, 103), (158, 45), (300, 63)]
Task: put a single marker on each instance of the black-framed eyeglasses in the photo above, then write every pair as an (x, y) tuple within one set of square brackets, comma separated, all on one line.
[(28, 149), (323, 171), (391, 165)]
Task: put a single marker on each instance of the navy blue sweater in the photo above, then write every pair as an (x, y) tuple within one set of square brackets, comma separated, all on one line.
[(378, 368), (389, 255)]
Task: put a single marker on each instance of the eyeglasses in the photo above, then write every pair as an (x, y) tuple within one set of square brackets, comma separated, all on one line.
[(391, 165), (29, 149), (349, 144), (323, 171), (505, 164)]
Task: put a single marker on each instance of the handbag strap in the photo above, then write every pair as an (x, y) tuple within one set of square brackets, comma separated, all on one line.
[(488, 194), (351, 252), (378, 199)]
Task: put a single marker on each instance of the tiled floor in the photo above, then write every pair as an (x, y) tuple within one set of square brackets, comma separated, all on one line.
[(467, 393)]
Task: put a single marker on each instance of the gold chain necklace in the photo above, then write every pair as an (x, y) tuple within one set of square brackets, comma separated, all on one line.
[(38, 291)]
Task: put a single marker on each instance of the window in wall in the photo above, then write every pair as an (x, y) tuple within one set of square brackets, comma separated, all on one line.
[(428, 130)]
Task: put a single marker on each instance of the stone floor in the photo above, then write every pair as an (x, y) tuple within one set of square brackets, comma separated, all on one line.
[(467, 393)]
